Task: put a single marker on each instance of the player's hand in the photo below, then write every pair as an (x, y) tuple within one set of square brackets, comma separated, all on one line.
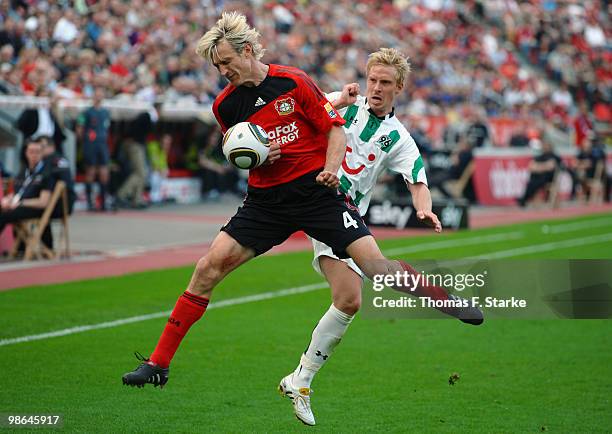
[(430, 219), (274, 153), (9, 202), (348, 96), (328, 179)]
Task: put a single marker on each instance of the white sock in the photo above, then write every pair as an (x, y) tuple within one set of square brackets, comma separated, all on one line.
[(325, 337)]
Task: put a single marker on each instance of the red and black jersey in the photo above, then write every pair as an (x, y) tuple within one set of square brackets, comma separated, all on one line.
[(290, 107)]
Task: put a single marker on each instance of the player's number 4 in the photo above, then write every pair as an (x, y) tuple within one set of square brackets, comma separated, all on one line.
[(348, 220)]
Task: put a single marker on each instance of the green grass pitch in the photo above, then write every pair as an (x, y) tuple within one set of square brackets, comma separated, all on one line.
[(386, 376)]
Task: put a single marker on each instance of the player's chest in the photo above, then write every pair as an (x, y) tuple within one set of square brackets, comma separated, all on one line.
[(375, 134), (369, 141), (363, 158)]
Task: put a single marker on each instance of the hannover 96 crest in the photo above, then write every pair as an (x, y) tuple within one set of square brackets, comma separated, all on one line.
[(284, 106)]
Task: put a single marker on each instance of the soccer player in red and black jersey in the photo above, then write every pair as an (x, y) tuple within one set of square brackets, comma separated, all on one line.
[(295, 190)]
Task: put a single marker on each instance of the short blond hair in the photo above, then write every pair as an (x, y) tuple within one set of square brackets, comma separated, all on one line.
[(390, 57), (233, 28)]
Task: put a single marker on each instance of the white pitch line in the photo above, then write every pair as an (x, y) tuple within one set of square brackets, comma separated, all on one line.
[(139, 318), (571, 227), (257, 297), (307, 288), (485, 239), (572, 242)]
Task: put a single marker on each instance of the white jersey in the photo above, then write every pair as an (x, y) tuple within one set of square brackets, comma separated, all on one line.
[(373, 144)]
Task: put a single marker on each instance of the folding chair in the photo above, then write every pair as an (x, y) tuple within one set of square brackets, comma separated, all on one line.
[(29, 232)]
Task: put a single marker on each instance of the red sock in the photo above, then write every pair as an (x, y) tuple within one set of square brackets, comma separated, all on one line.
[(431, 291), (188, 309)]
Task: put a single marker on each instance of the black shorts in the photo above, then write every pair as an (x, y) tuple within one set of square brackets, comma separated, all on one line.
[(269, 216)]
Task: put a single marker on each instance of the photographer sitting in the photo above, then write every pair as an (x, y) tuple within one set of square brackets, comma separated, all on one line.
[(33, 190), (542, 171)]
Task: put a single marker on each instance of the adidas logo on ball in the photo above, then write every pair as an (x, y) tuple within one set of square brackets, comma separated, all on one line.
[(246, 145)]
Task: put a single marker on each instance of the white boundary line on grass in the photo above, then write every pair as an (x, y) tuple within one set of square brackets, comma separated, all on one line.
[(573, 242), (571, 227), (257, 297), (455, 243), (139, 318)]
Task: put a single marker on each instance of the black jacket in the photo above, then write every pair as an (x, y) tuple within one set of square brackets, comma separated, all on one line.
[(57, 168), (28, 124)]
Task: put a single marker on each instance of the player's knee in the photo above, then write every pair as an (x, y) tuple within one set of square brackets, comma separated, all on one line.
[(352, 306), (206, 271), (348, 305), (215, 265)]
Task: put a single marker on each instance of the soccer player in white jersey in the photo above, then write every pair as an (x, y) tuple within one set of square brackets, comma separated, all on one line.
[(376, 140)]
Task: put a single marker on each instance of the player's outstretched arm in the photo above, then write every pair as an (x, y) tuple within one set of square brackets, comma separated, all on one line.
[(336, 148), (421, 198)]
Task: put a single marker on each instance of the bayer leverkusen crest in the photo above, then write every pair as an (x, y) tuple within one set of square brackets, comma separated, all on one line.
[(285, 106)]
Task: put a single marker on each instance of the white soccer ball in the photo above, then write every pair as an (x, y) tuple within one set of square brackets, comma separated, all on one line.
[(246, 145)]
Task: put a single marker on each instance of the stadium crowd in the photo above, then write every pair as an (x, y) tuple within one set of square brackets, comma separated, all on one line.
[(146, 48), (543, 60), (567, 40)]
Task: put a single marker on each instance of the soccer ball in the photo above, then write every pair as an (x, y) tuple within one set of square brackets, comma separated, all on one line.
[(246, 145)]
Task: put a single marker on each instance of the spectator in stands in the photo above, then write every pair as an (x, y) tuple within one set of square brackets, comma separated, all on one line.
[(459, 51), (41, 121), (92, 129), (460, 159), (562, 98), (57, 168), (542, 171), (477, 133), (583, 125), (556, 131), (419, 134), (130, 193), (33, 189), (12, 34), (158, 152), (454, 130), (217, 175), (7, 55), (590, 167), (519, 140)]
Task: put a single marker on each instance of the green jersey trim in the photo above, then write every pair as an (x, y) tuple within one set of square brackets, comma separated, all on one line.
[(418, 165), (370, 129)]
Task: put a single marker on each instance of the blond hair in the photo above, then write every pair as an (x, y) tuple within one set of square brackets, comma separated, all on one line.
[(233, 28), (390, 57)]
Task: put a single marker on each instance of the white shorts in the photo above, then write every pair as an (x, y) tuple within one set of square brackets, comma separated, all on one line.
[(321, 249)]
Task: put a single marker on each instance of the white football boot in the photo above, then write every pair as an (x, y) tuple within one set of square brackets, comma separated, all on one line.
[(300, 397)]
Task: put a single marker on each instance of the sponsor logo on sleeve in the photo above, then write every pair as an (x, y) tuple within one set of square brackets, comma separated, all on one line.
[(330, 110)]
